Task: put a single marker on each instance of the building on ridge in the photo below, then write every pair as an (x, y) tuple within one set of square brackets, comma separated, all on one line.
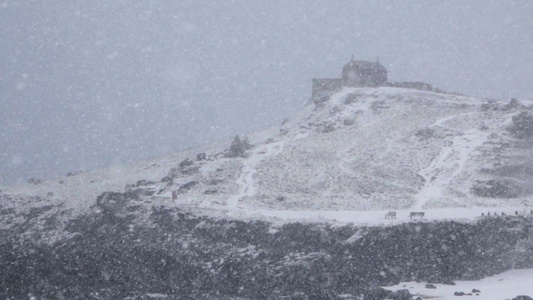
[(355, 73)]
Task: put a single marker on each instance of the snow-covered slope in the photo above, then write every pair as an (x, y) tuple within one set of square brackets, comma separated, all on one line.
[(352, 156)]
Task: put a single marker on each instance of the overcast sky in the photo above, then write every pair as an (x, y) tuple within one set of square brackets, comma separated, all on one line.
[(88, 84)]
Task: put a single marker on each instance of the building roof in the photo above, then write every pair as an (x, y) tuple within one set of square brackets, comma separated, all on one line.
[(359, 64)]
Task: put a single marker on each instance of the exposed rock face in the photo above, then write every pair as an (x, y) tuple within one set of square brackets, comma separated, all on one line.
[(112, 203)]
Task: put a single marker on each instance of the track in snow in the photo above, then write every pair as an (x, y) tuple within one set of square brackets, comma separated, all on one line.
[(449, 163), (246, 181)]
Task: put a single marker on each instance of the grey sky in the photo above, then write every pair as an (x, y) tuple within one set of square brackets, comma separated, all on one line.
[(86, 84)]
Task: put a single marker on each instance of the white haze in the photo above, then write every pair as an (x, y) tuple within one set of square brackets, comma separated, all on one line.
[(86, 84)]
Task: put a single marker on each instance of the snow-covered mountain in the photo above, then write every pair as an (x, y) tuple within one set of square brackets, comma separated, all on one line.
[(350, 157), (258, 217)]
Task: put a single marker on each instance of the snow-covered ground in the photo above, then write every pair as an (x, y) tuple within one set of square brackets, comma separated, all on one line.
[(351, 159), (506, 285), (375, 218)]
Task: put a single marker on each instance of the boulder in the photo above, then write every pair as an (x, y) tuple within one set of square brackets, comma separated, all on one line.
[(522, 297), (112, 203), (210, 192), (458, 294), (185, 163), (187, 186), (430, 286), (143, 182), (476, 291), (348, 121), (201, 156)]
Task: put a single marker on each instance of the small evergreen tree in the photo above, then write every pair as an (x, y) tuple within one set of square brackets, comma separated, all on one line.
[(522, 126), (238, 147)]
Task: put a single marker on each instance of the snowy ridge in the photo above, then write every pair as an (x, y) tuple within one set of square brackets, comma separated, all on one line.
[(351, 157)]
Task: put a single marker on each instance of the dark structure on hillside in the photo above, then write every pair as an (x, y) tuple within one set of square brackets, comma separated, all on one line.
[(358, 73), (355, 73)]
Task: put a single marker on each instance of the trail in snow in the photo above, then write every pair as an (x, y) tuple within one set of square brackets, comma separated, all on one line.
[(377, 217), (246, 181), (449, 163)]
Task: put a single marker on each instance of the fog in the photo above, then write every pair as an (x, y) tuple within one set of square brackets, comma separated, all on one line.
[(88, 84)]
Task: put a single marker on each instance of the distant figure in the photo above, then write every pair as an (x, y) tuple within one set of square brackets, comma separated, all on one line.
[(174, 195)]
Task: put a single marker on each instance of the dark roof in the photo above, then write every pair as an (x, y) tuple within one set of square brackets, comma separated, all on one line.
[(359, 64)]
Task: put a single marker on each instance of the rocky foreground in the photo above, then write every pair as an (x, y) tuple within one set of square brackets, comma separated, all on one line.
[(164, 252)]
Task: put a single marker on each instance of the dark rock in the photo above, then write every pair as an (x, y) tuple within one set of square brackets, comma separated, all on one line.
[(522, 297), (112, 203), (201, 156), (476, 291), (186, 162), (321, 100), (35, 181), (187, 186), (425, 133), (60, 182), (348, 121), (215, 181), (281, 198), (129, 187), (512, 104), (210, 192), (430, 286), (144, 182), (328, 128), (183, 170), (458, 294), (350, 98)]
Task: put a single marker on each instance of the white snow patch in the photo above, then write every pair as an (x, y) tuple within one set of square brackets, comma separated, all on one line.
[(506, 285)]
